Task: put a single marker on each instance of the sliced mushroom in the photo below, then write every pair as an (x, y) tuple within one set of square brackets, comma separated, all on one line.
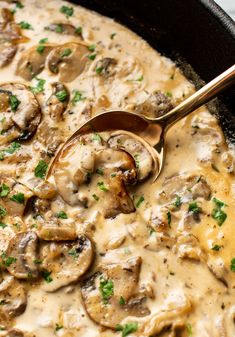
[(23, 249), (58, 101), (16, 200), (106, 67), (64, 28), (32, 61), (7, 53), (45, 190), (53, 230), (66, 262), (20, 111), (144, 161), (156, 105), (122, 279), (12, 296), (68, 60), (10, 35), (187, 187), (117, 199)]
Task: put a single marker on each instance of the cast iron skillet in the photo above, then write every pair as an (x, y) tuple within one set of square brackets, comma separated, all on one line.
[(196, 34)]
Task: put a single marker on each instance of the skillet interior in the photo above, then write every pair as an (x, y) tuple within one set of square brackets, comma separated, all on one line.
[(197, 34)]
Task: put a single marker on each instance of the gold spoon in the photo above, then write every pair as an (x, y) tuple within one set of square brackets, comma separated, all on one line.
[(151, 131)]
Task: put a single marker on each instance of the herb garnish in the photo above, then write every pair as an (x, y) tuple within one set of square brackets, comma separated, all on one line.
[(62, 95), (102, 186), (106, 289), (47, 276), (25, 25), (139, 201), (18, 197), (41, 169), (177, 203), (66, 52), (232, 266), (44, 40), (217, 213), (169, 218), (91, 47), (61, 215), (14, 146), (122, 301), (193, 207), (3, 211), (40, 49), (39, 87), (127, 328), (4, 190), (216, 248), (14, 102), (68, 11)]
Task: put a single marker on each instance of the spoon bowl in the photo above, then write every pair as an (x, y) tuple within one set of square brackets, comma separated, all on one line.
[(151, 132)]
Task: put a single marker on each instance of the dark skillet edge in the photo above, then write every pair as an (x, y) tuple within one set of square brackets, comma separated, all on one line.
[(196, 34)]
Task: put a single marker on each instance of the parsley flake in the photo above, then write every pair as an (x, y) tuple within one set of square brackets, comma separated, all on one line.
[(232, 266), (41, 169), (39, 87), (40, 49), (25, 25), (68, 11), (47, 276), (127, 328), (18, 197), (61, 215), (4, 190), (14, 102), (66, 52), (61, 95), (102, 186), (139, 201), (106, 289)]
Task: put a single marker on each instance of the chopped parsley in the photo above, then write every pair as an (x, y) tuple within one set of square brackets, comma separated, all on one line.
[(77, 97), (113, 35), (61, 215), (127, 328), (216, 248), (106, 289), (189, 329), (139, 79), (40, 49), (3, 211), (4, 190), (91, 47), (25, 25), (232, 266), (44, 40), (92, 57), (41, 169), (47, 276), (58, 28), (193, 207), (18, 197), (217, 213), (95, 197), (99, 70), (19, 5), (68, 11), (39, 87), (169, 94), (169, 218), (61, 95), (66, 52), (78, 30), (139, 201), (102, 186), (73, 253), (2, 328), (8, 260), (2, 225), (14, 146), (58, 327), (37, 261), (177, 203), (14, 102), (122, 301), (100, 171)]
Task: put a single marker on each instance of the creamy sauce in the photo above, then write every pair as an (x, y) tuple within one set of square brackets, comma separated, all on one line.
[(189, 287)]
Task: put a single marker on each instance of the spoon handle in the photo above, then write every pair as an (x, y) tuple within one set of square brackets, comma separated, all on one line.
[(200, 97)]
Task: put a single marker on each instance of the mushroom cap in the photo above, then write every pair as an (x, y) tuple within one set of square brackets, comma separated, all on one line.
[(7, 53), (67, 262), (13, 295), (124, 277), (21, 123), (68, 60), (32, 62), (131, 144), (23, 248)]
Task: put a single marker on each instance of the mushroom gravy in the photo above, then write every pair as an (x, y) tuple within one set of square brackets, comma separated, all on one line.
[(97, 249)]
